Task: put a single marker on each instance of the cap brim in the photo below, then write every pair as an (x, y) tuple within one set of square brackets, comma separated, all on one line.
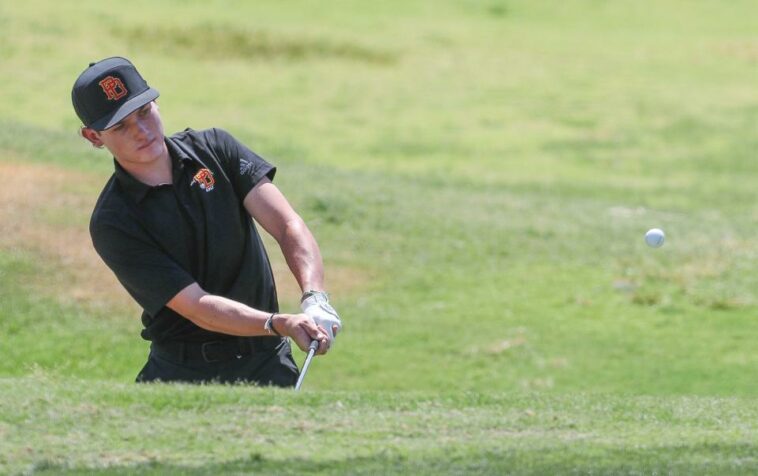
[(127, 108)]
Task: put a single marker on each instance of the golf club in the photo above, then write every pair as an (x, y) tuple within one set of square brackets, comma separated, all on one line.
[(311, 351)]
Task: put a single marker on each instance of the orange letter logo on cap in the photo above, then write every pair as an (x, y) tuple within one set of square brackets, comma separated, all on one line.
[(113, 88)]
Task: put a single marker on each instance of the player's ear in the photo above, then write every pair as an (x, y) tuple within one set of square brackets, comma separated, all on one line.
[(92, 136)]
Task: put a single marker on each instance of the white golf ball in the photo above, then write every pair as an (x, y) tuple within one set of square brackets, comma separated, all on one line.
[(655, 237)]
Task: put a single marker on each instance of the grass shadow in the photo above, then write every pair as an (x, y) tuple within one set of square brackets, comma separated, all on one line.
[(224, 42)]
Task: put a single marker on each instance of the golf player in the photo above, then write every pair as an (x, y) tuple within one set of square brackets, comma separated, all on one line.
[(174, 225)]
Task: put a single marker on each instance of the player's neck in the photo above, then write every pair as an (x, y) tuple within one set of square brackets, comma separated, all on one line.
[(155, 172)]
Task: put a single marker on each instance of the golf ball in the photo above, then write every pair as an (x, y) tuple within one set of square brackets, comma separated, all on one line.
[(655, 237)]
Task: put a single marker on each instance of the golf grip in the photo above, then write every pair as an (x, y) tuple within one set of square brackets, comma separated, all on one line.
[(311, 351), (313, 347)]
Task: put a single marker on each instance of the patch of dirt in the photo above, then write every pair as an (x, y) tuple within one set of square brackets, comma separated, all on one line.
[(744, 50), (339, 281), (46, 211)]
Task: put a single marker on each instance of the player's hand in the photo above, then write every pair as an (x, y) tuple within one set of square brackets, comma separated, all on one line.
[(301, 329), (316, 305)]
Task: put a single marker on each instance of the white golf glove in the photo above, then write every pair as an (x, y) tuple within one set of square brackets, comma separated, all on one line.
[(316, 305)]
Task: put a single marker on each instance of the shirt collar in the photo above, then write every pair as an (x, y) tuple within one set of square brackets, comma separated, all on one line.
[(133, 187), (176, 151), (138, 190)]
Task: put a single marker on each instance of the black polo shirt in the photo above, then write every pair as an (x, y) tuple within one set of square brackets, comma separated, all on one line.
[(158, 240)]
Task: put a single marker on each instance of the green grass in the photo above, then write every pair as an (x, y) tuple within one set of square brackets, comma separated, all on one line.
[(482, 171), (164, 429)]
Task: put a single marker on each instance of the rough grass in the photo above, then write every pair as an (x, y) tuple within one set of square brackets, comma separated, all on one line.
[(168, 429)]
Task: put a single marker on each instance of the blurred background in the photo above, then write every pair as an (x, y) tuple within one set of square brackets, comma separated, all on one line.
[(479, 176)]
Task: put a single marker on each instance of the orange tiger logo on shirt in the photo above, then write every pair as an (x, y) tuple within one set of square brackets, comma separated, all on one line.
[(205, 179)]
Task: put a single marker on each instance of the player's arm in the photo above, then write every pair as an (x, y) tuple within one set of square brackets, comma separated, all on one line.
[(155, 280), (219, 314), (271, 209)]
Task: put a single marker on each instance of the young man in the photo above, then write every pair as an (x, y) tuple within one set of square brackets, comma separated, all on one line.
[(174, 224)]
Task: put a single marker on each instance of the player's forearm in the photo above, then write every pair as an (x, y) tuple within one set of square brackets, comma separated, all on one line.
[(303, 256), (219, 314)]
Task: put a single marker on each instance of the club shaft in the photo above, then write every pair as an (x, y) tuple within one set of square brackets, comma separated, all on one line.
[(306, 364)]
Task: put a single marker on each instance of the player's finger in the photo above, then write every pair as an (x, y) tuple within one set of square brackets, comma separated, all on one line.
[(326, 343), (316, 332)]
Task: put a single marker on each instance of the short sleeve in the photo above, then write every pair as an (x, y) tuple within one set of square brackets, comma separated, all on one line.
[(245, 167), (149, 275)]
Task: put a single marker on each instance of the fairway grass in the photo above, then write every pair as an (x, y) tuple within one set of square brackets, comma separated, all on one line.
[(52, 426), (556, 299)]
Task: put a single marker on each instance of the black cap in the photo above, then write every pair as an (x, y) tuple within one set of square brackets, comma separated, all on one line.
[(108, 91)]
